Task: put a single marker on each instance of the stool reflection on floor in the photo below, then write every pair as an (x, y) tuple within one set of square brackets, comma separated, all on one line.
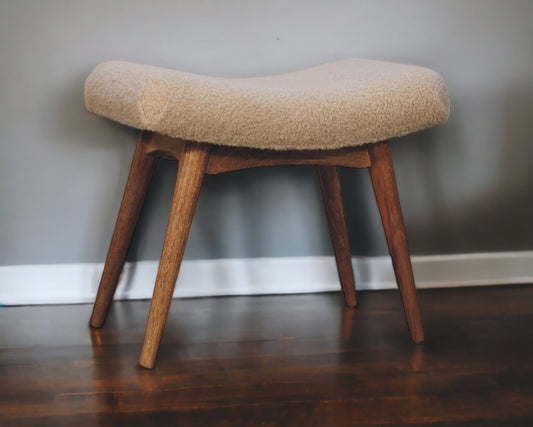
[(337, 114)]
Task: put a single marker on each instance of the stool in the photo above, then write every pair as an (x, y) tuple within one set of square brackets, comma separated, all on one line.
[(337, 114)]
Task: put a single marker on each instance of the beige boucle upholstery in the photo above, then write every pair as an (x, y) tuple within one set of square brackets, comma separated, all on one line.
[(339, 104)]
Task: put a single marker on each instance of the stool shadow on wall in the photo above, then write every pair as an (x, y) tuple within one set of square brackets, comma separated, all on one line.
[(467, 200)]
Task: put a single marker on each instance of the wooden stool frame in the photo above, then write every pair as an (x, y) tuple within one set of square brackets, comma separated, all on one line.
[(197, 159)]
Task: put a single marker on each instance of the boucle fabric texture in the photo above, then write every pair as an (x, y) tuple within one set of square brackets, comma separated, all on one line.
[(339, 104)]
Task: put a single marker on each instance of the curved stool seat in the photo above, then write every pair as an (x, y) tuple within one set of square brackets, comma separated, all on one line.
[(340, 104), (337, 114)]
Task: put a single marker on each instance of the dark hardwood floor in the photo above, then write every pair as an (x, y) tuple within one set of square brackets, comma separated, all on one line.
[(288, 360)]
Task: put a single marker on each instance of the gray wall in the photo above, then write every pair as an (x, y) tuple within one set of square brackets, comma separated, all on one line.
[(465, 187)]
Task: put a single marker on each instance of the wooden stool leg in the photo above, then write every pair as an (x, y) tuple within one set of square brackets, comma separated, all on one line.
[(192, 167), (331, 194), (141, 171), (388, 201)]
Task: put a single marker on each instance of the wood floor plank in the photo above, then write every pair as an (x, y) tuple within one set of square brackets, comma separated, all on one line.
[(275, 360)]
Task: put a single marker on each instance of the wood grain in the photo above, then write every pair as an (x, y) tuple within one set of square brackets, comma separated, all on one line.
[(165, 147), (226, 159), (331, 195), (388, 201), (140, 175), (192, 166), (275, 360)]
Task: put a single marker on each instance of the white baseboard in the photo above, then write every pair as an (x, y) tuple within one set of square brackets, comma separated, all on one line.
[(77, 283)]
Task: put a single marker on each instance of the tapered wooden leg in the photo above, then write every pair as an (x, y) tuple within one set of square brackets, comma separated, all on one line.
[(141, 171), (388, 201), (331, 194), (192, 167)]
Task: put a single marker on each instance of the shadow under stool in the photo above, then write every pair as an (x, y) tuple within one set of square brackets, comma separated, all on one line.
[(336, 114)]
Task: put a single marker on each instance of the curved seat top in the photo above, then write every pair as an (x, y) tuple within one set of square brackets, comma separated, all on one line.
[(339, 104)]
